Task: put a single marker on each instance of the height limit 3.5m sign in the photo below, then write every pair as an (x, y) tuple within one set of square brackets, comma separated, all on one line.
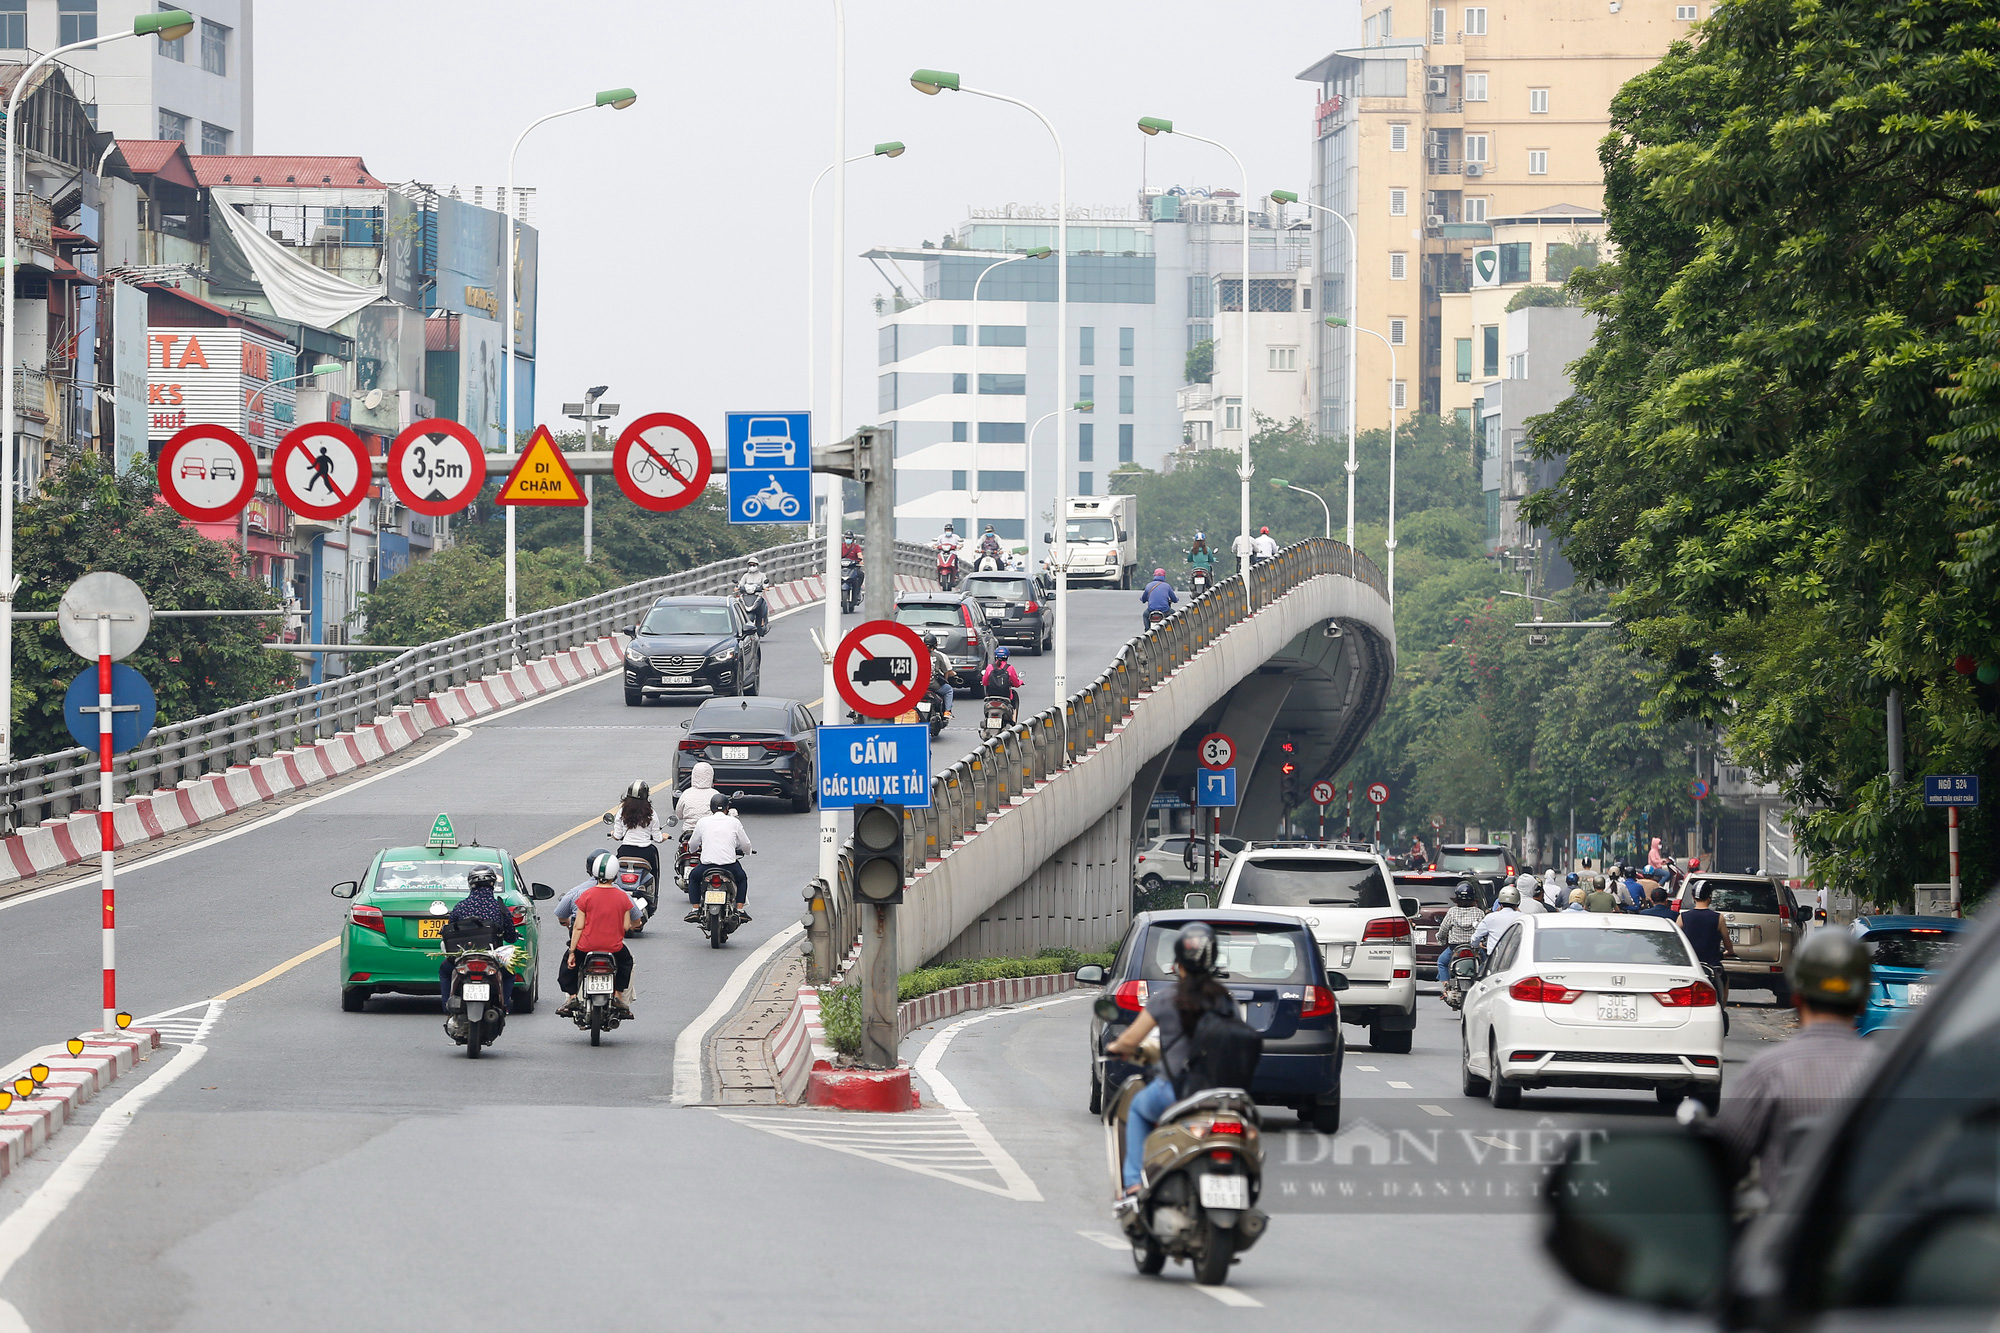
[(882, 668), (436, 467)]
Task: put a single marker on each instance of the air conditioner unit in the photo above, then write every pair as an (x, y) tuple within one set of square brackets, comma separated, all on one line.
[(1437, 87), (1434, 220), (1475, 168)]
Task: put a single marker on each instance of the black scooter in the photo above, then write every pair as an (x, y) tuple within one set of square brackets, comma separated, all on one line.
[(596, 983), (475, 1000), (850, 585)]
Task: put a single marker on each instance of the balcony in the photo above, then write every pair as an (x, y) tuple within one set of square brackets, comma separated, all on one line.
[(33, 220), (1445, 166), (31, 395)]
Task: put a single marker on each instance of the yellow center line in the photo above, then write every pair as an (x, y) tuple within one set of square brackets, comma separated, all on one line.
[(279, 970)]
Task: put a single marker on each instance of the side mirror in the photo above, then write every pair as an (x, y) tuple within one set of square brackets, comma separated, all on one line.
[(1465, 967), (684, 723), (1048, 539), (1090, 974), (347, 888), (1409, 906), (541, 893), (1643, 1217), (632, 633), (1124, 536), (608, 816), (1336, 981), (1105, 1008), (1195, 902)]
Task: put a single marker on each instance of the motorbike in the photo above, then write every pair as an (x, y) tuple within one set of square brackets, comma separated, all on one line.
[(947, 570), (596, 982), (1198, 582), (1154, 618), (850, 585), (930, 712), (986, 563), (636, 878), (1197, 1200), (478, 1016), (717, 907), (1459, 972), (755, 608), (998, 714)]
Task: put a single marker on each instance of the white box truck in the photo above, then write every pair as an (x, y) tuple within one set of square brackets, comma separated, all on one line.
[(1103, 536)]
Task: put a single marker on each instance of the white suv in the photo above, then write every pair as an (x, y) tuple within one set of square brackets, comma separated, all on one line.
[(1346, 897)]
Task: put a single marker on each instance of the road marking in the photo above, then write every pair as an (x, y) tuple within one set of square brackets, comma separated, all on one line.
[(1368, 1069), (1107, 1240), (687, 1046), (1394, 1084), (1495, 1143), (950, 1146), (1434, 1110), (277, 971), (1229, 1296)]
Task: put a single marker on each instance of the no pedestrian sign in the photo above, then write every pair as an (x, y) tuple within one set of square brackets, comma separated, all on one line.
[(322, 470), (542, 477), (858, 765), (882, 668)]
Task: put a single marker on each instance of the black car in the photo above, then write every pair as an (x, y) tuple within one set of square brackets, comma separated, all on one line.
[(1491, 864), (1273, 966), (693, 645), (968, 639), (758, 747), (1015, 609)]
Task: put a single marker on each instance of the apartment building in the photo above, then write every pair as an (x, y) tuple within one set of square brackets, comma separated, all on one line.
[(1461, 141)]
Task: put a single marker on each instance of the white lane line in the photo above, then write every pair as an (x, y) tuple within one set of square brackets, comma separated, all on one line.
[(1107, 1240), (1229, 1296), (1434, 1110), (1368, 1069), (1394, 1084), (972, 1164), (687, 1046)]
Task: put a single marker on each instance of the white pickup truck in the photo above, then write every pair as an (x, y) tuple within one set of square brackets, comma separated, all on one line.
[(1347, 899)]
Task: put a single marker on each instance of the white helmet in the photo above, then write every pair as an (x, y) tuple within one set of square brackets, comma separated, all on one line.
[(639, 791), (1510, 897), (602, 867)]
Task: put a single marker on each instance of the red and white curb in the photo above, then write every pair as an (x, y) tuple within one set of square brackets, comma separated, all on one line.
[(73, 1080)]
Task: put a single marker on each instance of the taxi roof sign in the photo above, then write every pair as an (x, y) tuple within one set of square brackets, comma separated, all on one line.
[(443, 835), (542, 477)]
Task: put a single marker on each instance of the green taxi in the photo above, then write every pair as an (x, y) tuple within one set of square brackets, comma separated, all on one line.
[(390, 941)]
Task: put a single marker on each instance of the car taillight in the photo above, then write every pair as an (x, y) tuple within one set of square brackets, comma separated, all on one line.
[(693, 746), (1034, 607), (1532, 989), (368, 918), (780, 747), (1130, 996), (1387, 928), (520, 915), (1784, 911), (1697, 995), (1400, 974), (1227, 1127), (965, 610), (1706, 1061), (1319, 1002), (1525, 1056)]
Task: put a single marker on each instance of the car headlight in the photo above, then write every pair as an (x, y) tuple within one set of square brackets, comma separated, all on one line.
[(633, 655), (726, 655), (1111, 557)]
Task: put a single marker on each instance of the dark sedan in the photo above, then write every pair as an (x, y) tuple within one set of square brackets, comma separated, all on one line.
[(693, 645), (1014, 609), (1273, 967), (968, 639), (758, 747)]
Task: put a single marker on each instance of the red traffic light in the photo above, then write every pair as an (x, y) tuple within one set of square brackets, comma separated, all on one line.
[(1290, 769)]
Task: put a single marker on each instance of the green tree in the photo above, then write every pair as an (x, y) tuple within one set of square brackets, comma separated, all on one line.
[(84, 519), (1198, 367), (463, 587), (1537, 296)]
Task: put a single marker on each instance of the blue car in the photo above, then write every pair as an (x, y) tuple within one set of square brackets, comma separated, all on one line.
[(1908, 952), (1273, 967)]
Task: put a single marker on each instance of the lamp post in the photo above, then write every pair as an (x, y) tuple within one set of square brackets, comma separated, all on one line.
[(617, 99), (931, 82), (1280, 484), (590, 411), (1028, 477), (1039, 252), (169, 25), (1151, 125), (1353, 293), (250, 406), (1338, 323), (890, 149)]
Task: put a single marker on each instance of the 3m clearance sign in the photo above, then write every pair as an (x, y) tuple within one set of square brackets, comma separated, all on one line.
[(218, 377)]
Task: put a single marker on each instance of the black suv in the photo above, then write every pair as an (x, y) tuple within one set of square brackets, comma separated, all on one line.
[(1491, 864), (693, 646), (1014, 608)]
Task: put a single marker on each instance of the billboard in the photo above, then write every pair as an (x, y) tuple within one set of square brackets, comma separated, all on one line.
[(218, 377), (128, 374), (471, 245), (403, 251), (479, 404), (388, 355)]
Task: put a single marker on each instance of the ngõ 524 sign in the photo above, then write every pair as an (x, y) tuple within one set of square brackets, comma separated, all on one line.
[(218, 377)]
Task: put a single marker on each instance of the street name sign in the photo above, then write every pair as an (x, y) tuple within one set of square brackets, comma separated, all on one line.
[(542, 477), (861, 765), (207, 473), (662, 462), (1960, 789), (881, 668), (321, 470), (436, 467), (1215, 787), (770, 467)]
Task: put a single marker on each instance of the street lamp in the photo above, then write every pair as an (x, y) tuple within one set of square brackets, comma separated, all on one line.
[(169, 26), (1353, 292), (1338, 323), (1280, 484), (1154, 125), (617, 99), (1039, 252), (931, 82), (1028, 478), (891, 149)]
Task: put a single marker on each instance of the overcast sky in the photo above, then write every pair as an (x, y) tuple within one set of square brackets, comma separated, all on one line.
[(673, 234)]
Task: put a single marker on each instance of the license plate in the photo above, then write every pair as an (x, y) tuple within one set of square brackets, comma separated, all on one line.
[(1428, 938), (715, 897), (1918, 992), (1617, 1008), (677, 680), (1225, 1191), (734, 751), (477, 990), (430, 928), (597, 985), (1744, 934)]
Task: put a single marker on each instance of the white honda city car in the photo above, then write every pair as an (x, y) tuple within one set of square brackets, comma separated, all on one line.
[(1592, 1000)]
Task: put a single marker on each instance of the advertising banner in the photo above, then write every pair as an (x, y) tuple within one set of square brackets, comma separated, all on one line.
[(479, 403), (403, 246), (219, 377), (128, 374), (472, 247)]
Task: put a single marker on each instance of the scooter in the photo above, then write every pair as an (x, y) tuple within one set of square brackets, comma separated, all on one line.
[(755, 608), (477, 1015), (850, 585), (717, 909), (1155, 618), (1198, 582), (998, 714), (1459, 973), (930, 712), (1197, 1199), (987, 563), (636, 878), (947, 570), (596, 982)]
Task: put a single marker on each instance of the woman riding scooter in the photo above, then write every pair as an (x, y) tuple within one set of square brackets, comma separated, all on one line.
[(1002, 676), (637, 829)]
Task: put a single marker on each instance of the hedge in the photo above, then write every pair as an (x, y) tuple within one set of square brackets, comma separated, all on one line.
[(840, 1008)]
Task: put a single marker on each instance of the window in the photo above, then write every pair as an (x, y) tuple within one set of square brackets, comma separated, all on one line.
[(1086, 442), (1126, 346), (77, 21), (1538, 161), (1438, 25), (1084, 482), (1490, 360), (1003, 335), (1003, 384), (1399, 265), (1538, 101), (1685, 13), (1396, 328), (885, 344), (173, 125), (214, 47), (959, 384), (1475, 87), (1125, 395), (1399, 138), (959, 334), (174, 50), (14, 25), (1199, 334), (1475, 208), (1003, 432), (1464, 360), (999, 481), (1475, 148), (1402, 394), (1284, 358), (214, 140), (958, 431), (958, 479), (1086, 347), (1086, 391), (1475, 22), (1399, 203), (1517, 366), (1305, 296), (1517, 260), (1125, 443), (1201, 297), (1232, 414), (885, 392)]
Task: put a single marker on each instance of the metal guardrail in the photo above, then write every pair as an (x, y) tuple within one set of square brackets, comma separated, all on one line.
[(52, 786), (967, 794)]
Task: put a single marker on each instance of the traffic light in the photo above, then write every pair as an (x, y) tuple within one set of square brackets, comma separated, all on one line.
[(878, 854), (1289, 766)]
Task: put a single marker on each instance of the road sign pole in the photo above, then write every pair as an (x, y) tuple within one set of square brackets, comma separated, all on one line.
[(107, 858), (1350, 810), (1953, 813)]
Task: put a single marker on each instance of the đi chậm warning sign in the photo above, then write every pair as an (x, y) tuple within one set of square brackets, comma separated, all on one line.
[(542, 477)]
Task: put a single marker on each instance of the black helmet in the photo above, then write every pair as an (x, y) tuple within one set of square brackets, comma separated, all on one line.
[(1830, 971), (483, 877), (1195, 949), (639, 791), (1463, 894)]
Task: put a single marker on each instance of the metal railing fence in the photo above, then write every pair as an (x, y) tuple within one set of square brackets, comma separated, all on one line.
[(52, 786)]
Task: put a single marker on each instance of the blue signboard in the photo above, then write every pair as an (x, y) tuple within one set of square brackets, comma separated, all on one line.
[(885, 762), (1960, 789), (770, 467), (1589, 847), (1215, 786), (134, 708)]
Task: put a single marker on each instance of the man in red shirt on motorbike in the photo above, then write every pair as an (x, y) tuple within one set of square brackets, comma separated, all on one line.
[(603, 913)]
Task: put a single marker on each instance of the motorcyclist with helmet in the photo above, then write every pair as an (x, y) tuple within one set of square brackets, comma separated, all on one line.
[(1263, 546), (1459, 924), (1174, 1011), (1200, 557), (479, 919), (1158, 596), (637, 828), (720, 842), (750, 591), (1531, 895), (1506, 911), (593, 911), (850, 546), (1001, 675), (989, 544), (940, 670)]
